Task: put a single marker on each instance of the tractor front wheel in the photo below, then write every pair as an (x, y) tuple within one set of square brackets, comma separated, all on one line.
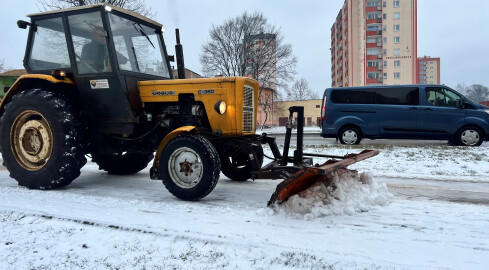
[(40, 140), (189, 167)]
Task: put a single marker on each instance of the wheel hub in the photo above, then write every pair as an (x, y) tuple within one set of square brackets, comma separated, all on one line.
[(350, 137), (31, 140), (185, 167), (470, 137)]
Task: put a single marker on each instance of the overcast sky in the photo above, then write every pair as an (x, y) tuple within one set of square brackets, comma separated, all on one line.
[(456, 31)]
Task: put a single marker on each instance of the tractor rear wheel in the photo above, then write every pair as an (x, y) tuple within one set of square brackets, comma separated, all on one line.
[(40, 140), (189, 167), (123, 164), (238, 168)]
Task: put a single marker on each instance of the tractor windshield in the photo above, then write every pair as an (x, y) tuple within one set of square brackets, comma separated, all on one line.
[(139, 47)]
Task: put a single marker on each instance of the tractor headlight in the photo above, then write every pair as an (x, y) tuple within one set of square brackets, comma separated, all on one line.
[(59, 74), (220, 107)]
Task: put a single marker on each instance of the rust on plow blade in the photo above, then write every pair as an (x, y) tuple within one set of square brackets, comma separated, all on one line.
[(307, 176)]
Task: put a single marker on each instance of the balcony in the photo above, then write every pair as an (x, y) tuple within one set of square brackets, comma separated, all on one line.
[(371, 81), (373, 21), (371, 57), (374, 33), (372, 69), (372, 9), (372, 45)]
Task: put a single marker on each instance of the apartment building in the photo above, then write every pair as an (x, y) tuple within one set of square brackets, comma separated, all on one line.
[(428, 70), (374, 42)]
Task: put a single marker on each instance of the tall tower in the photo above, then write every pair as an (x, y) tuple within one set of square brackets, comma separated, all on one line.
[(428, 70), (374, 42)]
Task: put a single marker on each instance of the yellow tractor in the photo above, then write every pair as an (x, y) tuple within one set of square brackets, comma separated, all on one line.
[(99, 83)]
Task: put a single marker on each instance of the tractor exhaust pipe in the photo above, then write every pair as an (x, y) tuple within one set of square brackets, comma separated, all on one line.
[(179, 54)]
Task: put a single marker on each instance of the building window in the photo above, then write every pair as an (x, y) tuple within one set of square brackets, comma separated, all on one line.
[(384, 16), (318, 106), (397, 39), (397, 63), (385, 51), (385, 63), (384, 4), (373, 51), (385, 75), (431, 67), (385, 40), (397, 27), (397, 15), (396, 3), (397, 75), (397, 51)]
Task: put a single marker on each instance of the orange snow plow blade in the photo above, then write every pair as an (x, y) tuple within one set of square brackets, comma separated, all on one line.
[(308, 175)]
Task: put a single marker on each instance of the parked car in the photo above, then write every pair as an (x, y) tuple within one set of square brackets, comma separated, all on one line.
[(428, 112)]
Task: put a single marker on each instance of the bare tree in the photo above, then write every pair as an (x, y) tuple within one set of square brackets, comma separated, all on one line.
[(478, 92), (249, 46), (3, 66), (138, 6), (462, 88), (300, 90)]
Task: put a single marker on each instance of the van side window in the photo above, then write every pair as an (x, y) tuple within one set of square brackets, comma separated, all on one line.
[(442, 97), (352, 96), (397, 96)]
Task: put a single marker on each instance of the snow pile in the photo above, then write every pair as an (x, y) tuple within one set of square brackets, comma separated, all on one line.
[(348, 194)]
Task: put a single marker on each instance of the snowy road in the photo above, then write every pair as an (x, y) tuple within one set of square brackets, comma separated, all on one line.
[(412, 232), (102, 221)]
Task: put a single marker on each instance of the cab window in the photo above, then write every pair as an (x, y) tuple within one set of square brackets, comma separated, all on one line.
[(442, 97), (89, 43), (49, 49)]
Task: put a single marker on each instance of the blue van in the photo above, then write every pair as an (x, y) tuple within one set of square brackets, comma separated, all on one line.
[(428, 112)]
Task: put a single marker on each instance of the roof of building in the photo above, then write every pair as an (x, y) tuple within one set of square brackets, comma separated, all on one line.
[(14, 72), (112, 7)]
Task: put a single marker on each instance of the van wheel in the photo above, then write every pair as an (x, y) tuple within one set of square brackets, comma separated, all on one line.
[(469, 136), (350, 135)]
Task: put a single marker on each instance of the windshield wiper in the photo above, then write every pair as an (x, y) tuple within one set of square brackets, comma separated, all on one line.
[(141, 31)]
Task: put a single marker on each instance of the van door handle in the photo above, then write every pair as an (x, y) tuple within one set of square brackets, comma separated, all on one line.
[(427, 109)]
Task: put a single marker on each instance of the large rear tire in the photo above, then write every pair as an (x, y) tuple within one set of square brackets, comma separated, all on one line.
[(189, 167), (123, 164), (41, 140), (238, 168)]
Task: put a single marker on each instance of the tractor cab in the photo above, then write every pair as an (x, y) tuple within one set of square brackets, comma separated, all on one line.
[(105, 51)]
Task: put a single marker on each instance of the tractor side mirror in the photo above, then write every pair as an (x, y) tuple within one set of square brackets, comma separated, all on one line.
[(22, 24)]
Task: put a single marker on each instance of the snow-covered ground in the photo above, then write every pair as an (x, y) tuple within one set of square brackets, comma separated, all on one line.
[(131, 222)]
